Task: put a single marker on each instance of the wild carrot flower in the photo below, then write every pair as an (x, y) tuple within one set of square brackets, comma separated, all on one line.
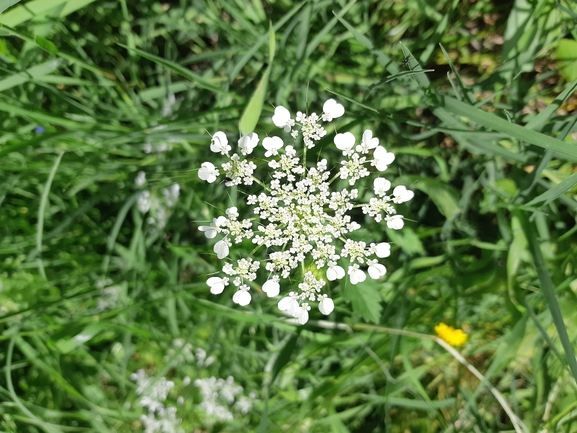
[(301, 217), (452, 336)]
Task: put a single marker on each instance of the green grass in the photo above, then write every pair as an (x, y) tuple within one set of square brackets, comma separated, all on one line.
[(482, 122)]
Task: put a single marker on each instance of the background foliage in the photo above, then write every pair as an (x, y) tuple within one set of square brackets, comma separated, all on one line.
[(482, 120)]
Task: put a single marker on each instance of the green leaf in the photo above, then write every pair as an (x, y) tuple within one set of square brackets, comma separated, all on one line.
[(35, 72), (441, 195), (67, 346), (252, 112), (5, 4), (284, 355), (567, 57), (46, 44), (548, 290), (496, 123), (555, 192), (37, 9), (178, 69), (365, 300)]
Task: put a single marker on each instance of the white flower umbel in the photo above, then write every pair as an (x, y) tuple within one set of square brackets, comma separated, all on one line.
[(300, 218)]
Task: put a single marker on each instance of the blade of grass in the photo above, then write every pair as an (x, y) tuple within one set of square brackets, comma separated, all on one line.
[(178, 69), (8, 373), (555, 192), (5, 4), (548, 290), (41, 212), (30, 74), (496, 123)]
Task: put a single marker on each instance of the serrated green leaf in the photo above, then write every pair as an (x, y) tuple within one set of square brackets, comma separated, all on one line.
[(365, 299)]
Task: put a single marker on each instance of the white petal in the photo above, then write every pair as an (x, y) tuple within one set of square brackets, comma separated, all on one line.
[(221, 249), (376, 271), (248, 142), (395, 222), (381, 184), (272, 145), (209, 231), (303, 316), (383, 250), (368, 139), (219, 142), (281, 116), (357, 276), (217, 289), (333, 108), (344, 141), (289, 305), (208, 172), (216, 285), (271, 288), (335, 273), (326, 306), (242, 297), (403, 194)]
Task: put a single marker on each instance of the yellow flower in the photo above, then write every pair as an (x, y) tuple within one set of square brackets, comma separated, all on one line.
[(455, 337)]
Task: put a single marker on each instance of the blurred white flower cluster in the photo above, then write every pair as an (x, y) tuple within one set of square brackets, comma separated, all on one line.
[(302, 215), (183, 353), (219, 396), (158, 207), (153, 393)]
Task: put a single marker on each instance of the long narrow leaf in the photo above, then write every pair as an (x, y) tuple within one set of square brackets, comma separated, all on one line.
[(548, 290), (495, 123), (557, 191)]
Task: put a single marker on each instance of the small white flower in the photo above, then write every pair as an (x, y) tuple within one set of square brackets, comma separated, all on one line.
[(140, 179), (345, 142), (376, 270), (289, 304), (368, 142), (302, 314), (271, 288), (381, 186), (395, 222), (232, 212), (402, 194), (382, 250), (211, 231), (335, 273), (272, 145), (281, 118), (332, 109), (143, 201), (217, 284), (326, 305), (248, 143), (242, 296), (219, 143), (208, 172), (221, 248), (382, 158), (356, 275)]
